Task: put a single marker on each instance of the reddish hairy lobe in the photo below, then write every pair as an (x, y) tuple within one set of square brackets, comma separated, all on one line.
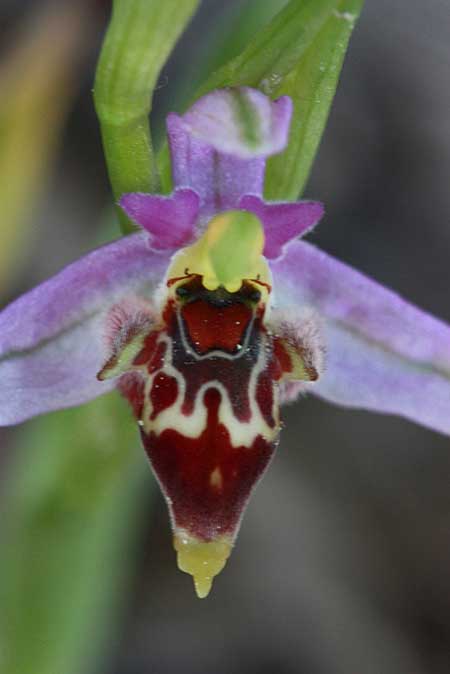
[(131, 386), (168, 312), (282, 356), (131, 317)]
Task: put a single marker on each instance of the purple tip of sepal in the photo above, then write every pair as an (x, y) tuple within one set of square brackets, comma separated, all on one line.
[(241, 122), (283, 109), (283, 222), (170, 221)]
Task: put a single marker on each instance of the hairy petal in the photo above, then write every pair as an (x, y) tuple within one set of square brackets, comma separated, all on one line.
[(282, 222), (300, 334), (51, 338), (170, 221), (126, 326), (301, 328), (384, 354), (219, 147)]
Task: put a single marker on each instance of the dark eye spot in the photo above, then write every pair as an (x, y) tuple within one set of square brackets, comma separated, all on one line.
[(255, 296), (182, 292)]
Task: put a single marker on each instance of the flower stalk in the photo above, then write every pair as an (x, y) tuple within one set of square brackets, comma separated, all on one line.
[(138, 41)]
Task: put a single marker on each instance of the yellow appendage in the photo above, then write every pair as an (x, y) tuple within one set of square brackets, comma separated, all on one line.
[(228, 252), (202, 560)]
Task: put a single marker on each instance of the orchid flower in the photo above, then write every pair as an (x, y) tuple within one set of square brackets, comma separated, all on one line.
[(212, 315)]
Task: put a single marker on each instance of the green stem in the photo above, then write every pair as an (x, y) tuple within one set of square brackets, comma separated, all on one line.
[(138, 41)]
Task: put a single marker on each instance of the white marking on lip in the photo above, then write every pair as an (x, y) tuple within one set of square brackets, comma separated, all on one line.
[(242, 433)]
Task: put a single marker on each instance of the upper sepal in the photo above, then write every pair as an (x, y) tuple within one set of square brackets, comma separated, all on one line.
[(219, 147), (241, 122)]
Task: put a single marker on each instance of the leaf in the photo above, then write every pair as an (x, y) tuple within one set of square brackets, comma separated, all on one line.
[(276, 49), (74, 492), (311, 85)]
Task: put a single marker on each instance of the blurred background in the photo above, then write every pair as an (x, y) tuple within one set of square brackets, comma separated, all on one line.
[(343, 561)]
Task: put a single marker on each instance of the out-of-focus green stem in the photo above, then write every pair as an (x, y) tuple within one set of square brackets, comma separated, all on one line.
[(76, 487), (138, 41)]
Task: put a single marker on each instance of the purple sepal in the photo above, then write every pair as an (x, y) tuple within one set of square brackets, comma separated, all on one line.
[(363, 374), (170, 221), (283, 222), (219, 147), (51, 338), (383, 354), (241, 122), (219, 180), (59, 373)]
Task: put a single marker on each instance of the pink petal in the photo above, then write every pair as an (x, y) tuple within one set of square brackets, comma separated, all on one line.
[(51, 338), (282, 222), (169, 220), (383, 354)]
